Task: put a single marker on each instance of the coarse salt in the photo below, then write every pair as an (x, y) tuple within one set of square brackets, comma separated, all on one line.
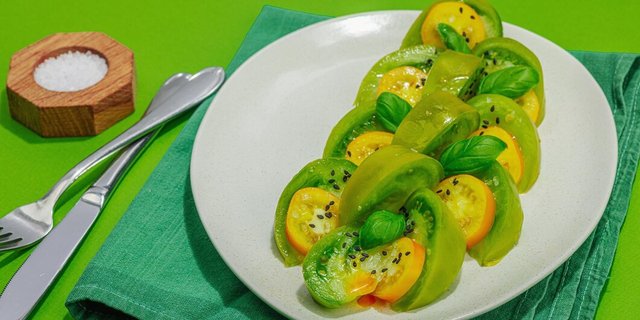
[(71, 71)]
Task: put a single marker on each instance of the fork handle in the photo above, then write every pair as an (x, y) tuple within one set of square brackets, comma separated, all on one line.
[(200, 86)]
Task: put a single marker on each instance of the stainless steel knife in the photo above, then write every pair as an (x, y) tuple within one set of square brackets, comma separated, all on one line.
[(37, 273)]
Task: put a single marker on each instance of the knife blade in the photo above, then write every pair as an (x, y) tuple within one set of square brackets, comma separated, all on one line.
[(34, 277)]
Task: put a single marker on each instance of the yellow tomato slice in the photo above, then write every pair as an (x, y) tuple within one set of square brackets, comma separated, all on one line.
[(366, 144), (471, 202), (312, 213), (511, 158), (461, 17), (530, 104), (401, 269), (405, 82)]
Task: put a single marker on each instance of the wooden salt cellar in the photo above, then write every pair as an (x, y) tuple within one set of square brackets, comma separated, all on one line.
[(79, 113)]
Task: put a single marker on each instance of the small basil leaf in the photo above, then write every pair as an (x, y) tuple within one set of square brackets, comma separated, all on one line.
[(471, 155), (381, 227), (391, 109), (510, 82), (451, 39)]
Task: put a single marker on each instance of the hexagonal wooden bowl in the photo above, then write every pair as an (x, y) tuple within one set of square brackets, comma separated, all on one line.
[(78, 113)]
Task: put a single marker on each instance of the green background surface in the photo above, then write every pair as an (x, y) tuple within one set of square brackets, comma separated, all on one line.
[(189, 35)]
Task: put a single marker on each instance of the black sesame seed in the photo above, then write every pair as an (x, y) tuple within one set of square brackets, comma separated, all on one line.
[(333, 172), (320, 216), (345, 178), (484, 126), (312, 225), (407, 253), (460, 9), (455, 181), (362, 259), (357, 248), (348, 234), (355, 264), (493, 108), (344, 244), (335, 186), (472, 17), (384, 270), (384, 253), (423, 81), (328, 215), (448, 192), (332, 202), (331, 180), (355, 233), (464, 34), (497, 120), (439, 191), (398, 262), (481, 133), (394, 260), (364, 254), (348, 153), (347, 173), (373, 272), (495, 61), (399, 255), (417, 86), (466, 39), (485, 121), (351, 256), (327, 207)]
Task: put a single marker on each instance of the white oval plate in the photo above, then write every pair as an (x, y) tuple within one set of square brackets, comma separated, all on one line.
[(276, 111)]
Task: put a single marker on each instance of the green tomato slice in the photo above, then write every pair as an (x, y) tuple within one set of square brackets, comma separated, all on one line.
[(507, 224), (505, 113), (488, 14), (327, 174), (455, 73), (385, 180), (437, 121), (438, 232), (352, 125), (500, 53), (420, 56)]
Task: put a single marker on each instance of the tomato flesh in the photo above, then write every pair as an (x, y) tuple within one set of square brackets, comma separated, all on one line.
[(530, 104), (472, 204), (405, 82), (366, 144), (461, 17), (313, 212), (511, 158)]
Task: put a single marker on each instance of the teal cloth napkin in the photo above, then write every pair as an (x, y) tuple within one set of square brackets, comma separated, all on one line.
[(159, 263)]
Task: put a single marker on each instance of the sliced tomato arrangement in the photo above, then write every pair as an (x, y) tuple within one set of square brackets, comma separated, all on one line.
[(313, 212), (471, 202)]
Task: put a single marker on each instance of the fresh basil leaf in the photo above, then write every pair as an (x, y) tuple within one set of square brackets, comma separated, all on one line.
[(381, 227), (510, 82), (451, 39), (471, 155), (391, 110)]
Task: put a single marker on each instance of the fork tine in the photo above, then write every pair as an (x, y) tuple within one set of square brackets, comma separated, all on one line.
[(4, 242), (8, 234)]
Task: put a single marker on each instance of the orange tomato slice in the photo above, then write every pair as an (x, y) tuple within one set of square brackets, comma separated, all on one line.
[(530, 104), (405, 82), (366, 144), (472, 204), (312, 213), (461, 17), (400, 270), (511, 158)]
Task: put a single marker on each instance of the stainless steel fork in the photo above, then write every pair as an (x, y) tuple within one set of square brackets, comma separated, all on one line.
[(28, 224)]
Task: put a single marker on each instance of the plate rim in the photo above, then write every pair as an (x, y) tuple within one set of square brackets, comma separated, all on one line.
[(545, 272)]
